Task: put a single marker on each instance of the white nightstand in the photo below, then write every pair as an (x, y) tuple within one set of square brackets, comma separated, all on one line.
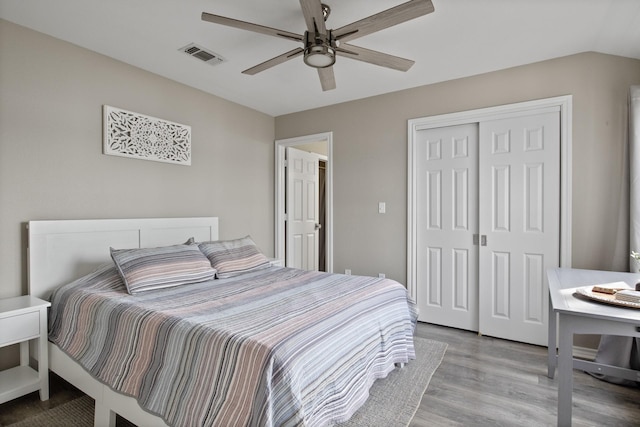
[(23, 319)]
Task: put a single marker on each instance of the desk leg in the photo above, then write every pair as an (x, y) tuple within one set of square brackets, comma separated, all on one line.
[(552, 342), (565, 370)]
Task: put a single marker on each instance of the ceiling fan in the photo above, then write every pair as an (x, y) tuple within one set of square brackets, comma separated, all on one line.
[(322, 45)]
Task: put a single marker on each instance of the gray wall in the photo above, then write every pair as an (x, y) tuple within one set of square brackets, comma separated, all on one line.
[(370, 156), (51, 161), (52, 166)]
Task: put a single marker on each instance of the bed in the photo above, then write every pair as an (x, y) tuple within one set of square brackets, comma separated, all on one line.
[(253, 345)]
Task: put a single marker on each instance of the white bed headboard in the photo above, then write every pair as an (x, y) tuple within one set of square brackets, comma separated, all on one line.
[(62, 251)]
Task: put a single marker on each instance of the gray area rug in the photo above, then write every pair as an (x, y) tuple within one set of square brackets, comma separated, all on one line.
[(77, 412), (392, 401)]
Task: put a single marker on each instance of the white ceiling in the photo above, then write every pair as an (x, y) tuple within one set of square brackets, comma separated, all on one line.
[(461, 38)]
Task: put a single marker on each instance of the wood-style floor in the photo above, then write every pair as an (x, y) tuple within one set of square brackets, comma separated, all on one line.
[(485, 381), (482, 381)]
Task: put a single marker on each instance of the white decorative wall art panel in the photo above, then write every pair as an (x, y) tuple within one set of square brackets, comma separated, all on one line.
[(129, 134)]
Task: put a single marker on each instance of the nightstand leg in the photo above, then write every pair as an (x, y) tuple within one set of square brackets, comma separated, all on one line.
[(43, 357), (24, 353)]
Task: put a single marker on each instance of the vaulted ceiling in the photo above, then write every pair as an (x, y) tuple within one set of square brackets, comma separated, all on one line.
[(460, 38)]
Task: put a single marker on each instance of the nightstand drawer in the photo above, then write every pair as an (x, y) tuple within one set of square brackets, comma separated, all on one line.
[(19, 328)]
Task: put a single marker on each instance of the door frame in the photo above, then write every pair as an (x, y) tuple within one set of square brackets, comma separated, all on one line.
[(565, 103), (280, 196)]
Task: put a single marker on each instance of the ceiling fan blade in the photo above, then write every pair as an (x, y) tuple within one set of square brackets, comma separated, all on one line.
[(313, 16), (388, 18), (327, 78), (274, 61), (243, 25), (374, 57)]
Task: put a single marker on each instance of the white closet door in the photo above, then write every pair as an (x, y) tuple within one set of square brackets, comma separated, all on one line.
[(302, 226), (447, 197), (519, 215)]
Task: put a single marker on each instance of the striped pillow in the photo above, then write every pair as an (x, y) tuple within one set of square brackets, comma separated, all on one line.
[(154, 268), (233, 257)]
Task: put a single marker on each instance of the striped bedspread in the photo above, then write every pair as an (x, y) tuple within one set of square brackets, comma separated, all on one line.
[(274, 347)]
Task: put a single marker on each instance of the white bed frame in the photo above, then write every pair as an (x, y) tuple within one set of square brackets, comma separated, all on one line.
[(61, 251)]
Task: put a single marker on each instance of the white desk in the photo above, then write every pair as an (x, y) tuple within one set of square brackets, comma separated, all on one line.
[(579, 315)]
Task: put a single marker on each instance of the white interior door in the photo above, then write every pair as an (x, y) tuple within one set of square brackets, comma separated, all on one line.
[(302, 209), (447, 197), (520, 217)]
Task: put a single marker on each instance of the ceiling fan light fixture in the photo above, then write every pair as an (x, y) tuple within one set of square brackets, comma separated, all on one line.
[(319, 56)]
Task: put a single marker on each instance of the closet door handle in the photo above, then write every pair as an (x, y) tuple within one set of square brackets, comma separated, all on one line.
[(479, 240)]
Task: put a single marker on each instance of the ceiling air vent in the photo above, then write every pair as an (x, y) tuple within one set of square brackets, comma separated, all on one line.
[(202, 54)]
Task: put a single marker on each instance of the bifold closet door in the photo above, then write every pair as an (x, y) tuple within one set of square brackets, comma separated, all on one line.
[(519, 217), (447, 205)]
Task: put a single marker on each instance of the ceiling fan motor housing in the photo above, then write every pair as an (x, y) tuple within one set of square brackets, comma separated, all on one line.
[(319, 52)]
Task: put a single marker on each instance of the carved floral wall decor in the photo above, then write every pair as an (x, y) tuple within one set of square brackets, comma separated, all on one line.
[(129, 134)]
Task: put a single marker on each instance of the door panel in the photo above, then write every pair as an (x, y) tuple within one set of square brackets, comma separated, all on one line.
[(447, 219), (500, 269), (519, 215), (501, 197)]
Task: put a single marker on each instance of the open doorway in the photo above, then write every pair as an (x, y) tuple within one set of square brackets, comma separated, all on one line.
[(321, 145)]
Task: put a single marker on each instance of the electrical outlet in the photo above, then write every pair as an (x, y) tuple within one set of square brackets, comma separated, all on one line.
[(381, 275), (347, 272), (382, 207)]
